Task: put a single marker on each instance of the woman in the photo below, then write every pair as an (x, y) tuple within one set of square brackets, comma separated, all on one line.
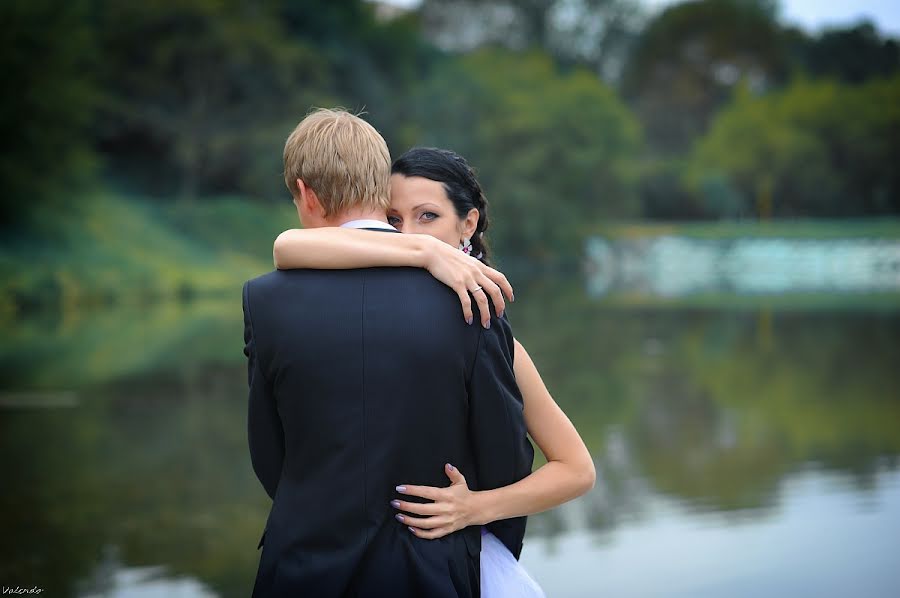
[(435, 195)]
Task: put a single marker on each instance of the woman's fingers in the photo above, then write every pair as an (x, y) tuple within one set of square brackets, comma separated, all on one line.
[(472, 279), (428, 508), (429, 492), (466, 302), (455, 475), (493, 289), (441, 517), (422, 522), (480, 295), (500, 280)]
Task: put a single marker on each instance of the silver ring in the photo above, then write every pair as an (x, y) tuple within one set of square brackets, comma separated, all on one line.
[(476, 289)]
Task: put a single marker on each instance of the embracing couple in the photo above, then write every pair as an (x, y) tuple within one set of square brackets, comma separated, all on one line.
[(391, 431)]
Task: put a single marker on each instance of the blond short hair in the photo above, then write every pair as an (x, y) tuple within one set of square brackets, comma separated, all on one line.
[(342, 158)]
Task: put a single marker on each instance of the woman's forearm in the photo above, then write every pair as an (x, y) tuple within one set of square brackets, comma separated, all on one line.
[(569, 471), (549, 486), (342, 248)]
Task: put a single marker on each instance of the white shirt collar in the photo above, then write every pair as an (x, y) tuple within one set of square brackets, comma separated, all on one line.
[(367, 223)]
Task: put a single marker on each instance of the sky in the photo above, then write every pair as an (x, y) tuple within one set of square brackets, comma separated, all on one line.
[(812, 15)]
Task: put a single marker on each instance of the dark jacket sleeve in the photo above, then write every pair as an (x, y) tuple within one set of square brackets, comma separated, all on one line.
[(265, 433), (503, 453)]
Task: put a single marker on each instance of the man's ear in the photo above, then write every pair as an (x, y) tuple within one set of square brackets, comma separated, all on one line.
[(470, 223), (309, 201)]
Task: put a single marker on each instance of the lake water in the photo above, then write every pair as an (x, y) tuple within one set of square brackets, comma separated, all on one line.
[(742, 450)]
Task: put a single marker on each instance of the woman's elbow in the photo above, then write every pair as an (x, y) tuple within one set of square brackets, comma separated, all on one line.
[(279, 248), (587, 477)]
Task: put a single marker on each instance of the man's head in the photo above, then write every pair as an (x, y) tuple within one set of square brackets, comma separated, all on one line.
[(337, 167)]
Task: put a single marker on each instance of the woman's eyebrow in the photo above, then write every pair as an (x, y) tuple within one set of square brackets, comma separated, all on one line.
[(423, 205)]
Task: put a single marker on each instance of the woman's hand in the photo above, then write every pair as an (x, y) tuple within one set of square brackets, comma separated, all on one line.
[(453, 508), (470, 278)]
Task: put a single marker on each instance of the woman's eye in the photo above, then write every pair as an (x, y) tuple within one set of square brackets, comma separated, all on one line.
[(429, 215), (393, 220)]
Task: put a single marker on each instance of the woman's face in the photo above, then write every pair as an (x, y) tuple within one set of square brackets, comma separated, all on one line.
[(420, 205)]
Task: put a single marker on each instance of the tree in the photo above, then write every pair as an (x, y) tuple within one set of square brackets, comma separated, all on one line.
[(47, 53), (851, 54), (688, 60), (554, 151), (813, 149), (595, 34), (201, 94), (373, 62), (682, 69)]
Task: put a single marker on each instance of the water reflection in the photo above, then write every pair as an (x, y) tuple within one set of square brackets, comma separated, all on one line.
[(716, 434), (111, 578), (825, 539)]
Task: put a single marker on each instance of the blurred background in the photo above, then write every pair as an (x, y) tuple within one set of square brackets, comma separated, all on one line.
[(697, 203)]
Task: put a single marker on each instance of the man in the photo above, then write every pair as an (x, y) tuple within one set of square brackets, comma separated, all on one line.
[(363, 379)]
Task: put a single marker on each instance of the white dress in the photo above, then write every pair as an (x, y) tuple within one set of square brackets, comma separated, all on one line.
[(502, 576)]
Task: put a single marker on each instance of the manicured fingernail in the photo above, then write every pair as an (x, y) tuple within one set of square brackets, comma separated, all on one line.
[(500, 315), (409, 527), (450, 467), (401, 488), (469, 321), (395, 504), (512, 297), (399, 517), (488, 325)]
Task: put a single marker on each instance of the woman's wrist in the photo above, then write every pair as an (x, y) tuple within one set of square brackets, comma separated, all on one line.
[(426, 250), (482, 508)]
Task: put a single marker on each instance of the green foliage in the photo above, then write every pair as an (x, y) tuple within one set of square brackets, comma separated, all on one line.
[(852, 54), (373, 64), (682, 69), (595, 34), (553, 150), (47, 53), (206, 106), (688, 59), (111, 250), (814, 148)]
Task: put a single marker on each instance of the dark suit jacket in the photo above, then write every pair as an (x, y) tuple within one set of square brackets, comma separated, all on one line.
[(361, 380)]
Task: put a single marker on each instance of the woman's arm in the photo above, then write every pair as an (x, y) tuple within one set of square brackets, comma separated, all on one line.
[(568, 473), (335, 248)]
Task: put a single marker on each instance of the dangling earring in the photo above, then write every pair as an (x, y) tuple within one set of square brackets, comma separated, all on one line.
[(466, 246)]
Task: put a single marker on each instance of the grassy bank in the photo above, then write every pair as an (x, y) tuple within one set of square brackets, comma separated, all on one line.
[(112, 250), (875, 228)]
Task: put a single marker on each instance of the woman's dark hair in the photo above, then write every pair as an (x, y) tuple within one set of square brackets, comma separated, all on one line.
[(454, 173)]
